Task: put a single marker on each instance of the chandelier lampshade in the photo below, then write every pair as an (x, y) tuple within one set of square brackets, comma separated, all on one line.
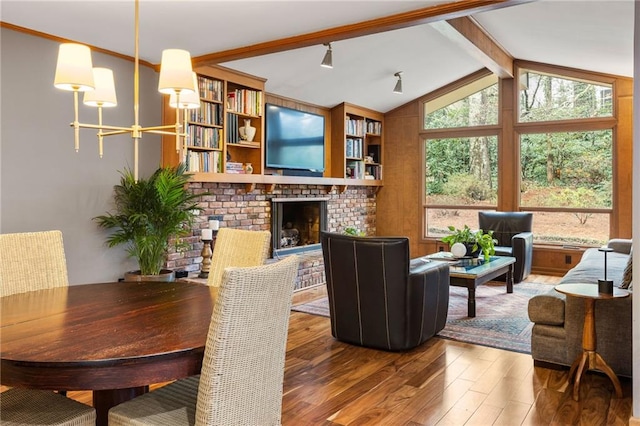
[(74, 68), (175, 72), (104, 94), (188, 100)]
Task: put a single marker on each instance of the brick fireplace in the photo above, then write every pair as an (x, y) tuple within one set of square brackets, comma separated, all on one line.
[(251, 208)]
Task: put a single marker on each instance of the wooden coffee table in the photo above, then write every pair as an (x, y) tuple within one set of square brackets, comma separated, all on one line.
[(590, 359), (472, 275)]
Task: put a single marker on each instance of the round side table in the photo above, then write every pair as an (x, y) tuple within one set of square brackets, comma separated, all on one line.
[(590, 359)]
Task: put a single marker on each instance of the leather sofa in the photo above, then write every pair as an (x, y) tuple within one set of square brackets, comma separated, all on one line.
[(378, 297), (515, 238), (558, 320)]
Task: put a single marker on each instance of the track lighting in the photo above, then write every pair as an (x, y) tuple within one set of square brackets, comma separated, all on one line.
[(327, 61), (398, 87)]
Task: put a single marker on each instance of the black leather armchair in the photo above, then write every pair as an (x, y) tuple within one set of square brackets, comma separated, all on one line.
[(378, 297), (513, 232)]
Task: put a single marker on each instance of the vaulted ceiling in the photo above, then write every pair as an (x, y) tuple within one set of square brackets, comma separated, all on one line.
[(432, 42)]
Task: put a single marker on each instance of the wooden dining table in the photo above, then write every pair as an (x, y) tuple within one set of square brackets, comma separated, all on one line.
[(114, 339)]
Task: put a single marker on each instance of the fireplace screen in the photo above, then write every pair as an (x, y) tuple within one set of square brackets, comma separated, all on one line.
[(296, 223)]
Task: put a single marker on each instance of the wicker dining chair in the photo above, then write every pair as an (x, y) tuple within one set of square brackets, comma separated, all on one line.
[(239, 248), (32, 261), (243, 366), (30, 407)]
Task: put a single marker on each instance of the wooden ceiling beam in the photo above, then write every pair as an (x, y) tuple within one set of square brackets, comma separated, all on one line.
[(470, 36), (439, 12)]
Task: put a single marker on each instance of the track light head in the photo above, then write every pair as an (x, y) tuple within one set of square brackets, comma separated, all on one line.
[(398, 86), (327, 61)]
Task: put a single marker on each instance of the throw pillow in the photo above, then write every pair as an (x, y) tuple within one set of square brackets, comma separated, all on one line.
[(626, 276)]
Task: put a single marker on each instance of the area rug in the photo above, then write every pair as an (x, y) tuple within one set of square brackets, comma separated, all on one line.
[(501, 319)]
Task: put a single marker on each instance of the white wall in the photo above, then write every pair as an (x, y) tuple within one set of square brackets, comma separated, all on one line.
[(44, 183)]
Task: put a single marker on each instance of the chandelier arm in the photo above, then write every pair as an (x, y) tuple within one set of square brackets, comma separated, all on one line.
[(100, 132), (106, 126), (165, 132), (76, 124), (118, 132), (163, 127)]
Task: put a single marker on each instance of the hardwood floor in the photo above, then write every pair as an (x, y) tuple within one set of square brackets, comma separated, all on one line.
[(442, 382)]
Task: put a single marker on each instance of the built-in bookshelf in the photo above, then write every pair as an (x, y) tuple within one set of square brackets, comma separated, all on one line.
[(356, 148), (216, 140)]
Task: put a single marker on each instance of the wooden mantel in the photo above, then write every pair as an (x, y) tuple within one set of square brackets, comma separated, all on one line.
[(270, 181)]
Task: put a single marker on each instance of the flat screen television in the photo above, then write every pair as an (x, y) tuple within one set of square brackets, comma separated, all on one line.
[(294, 139)]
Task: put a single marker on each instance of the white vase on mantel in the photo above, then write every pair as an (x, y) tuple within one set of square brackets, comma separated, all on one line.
[(247, 132)]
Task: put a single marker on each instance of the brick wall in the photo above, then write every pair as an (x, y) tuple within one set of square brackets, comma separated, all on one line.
[(356, 207)]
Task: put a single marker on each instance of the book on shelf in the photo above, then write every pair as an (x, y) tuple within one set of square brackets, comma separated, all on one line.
[(354, 170), (374, 127), (233, 134), (208, 161), (373, 170), (353, 148), (234, 167), (245, 101), (205, 137), (355, 127), (210, 89), (208, 113)]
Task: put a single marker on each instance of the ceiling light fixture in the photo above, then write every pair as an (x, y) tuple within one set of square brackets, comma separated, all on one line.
[(398, 86), (327, 61), (75, 72)]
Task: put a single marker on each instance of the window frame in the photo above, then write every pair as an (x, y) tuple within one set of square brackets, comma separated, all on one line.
[(509, 130)]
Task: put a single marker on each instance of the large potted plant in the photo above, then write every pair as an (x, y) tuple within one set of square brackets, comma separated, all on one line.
[(148, 214), (475, 241)]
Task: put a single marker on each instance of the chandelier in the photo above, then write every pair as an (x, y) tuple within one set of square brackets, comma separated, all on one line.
[(75, 72)]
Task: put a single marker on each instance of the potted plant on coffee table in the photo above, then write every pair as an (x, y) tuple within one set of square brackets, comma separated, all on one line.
[(148, 214), (475, 241)]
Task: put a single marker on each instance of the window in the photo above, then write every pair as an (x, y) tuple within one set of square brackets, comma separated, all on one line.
[(546, 97), (461, 178), (475, 104), (570, 171), (566, 177), (461, 155), (564, 134)]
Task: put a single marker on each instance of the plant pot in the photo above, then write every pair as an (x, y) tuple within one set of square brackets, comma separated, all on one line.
[(165, 275), (471, 253)]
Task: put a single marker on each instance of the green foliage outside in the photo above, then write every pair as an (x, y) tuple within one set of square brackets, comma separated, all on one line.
[(570, 170)]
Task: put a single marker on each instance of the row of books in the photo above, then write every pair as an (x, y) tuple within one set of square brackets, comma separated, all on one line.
[(233, 134), (233, 167), (206, 137), (245, 101), (210, 89), (355, 170), (360, 127), (373, 171), (209, 161), (353, 148), (208, 113)]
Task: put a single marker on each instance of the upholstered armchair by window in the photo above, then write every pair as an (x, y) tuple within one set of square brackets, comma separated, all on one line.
[(378, 297), (515, 239)]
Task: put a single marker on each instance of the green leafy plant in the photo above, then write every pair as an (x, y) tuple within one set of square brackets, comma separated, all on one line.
[(350, 230), (148, 213), (474, 239)]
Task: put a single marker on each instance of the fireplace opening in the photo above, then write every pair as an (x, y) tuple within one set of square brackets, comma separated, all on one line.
[(296, 224)]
